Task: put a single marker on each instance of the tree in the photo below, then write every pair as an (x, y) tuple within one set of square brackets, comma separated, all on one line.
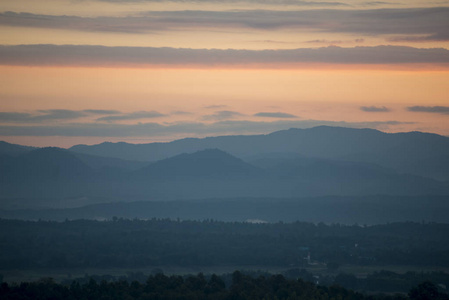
[(426, 291)]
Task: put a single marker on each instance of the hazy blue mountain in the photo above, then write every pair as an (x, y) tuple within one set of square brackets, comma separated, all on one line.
[(414, 152), (48, 163), (122, 150), (322, 141), (13, 150), (212, 173), (109, 163), (54, 172), (298, 163), (210, 163), (44, 172), (334, 177), (274, 161), (8, 150)]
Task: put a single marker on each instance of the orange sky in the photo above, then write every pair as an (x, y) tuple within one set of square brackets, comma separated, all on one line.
[(47, 100)]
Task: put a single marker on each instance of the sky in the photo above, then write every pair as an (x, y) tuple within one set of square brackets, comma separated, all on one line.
[(88, 71)]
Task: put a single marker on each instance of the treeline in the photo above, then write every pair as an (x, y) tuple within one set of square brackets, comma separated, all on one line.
[(139, 243), (389, 282), (174, 287), (376, 282)]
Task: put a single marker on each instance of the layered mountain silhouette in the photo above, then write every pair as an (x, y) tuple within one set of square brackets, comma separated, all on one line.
[(417, 153), (12, 149), (46, 172), (44, 164), (291, 163), (210, 163)]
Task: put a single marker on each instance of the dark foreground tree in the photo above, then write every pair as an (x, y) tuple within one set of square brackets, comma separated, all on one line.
[(427, 291), (203, 287)]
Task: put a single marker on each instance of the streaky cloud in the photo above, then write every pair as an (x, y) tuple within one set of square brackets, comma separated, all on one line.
[(266, 2), (41, 116), (57, 114), (132, 116), (84, 55), (333, 42), (222, 115), (102, 111), (427, 23), (15, 117), (374, 108), (274, 115), (375, 3), (430, 109), (324, 42)]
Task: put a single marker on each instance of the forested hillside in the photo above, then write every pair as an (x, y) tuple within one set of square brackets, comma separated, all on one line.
[(159, 286), (133, 243)]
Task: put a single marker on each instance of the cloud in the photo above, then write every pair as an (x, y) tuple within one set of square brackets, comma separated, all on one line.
[(59, 114), (272, 42), (15, 117), (222, 115), (432, 23), (333, 42), (82, 55), (374, 108), (132, 116), (102, 111), (40, 116), (266, 2), (95, 24), (375, 3), (442, 36), (324, 42), (430, 109), (274, 115), (192, 128)]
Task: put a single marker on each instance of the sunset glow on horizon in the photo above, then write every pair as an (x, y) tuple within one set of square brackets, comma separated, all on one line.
[(90, 71)]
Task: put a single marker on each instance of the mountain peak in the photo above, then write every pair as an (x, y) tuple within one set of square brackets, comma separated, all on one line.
[(13, 149), (208, 162), (211, 153), (50, 159)]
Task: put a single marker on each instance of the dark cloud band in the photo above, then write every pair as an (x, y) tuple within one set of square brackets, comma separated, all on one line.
[(74, 55), (222, 115), (417, 23), (266, 2), (132, 116), (430, 109), (374, 108), (102, 111), (275, 115), (41, 116)]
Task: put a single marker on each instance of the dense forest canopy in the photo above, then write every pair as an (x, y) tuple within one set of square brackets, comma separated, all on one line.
[(158, 242), (163, 287)]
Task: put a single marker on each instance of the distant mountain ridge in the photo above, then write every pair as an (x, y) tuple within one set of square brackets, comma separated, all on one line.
[(418, 153), (46, 164), (321, 141), (13, 150), (292, 163), (204, 163)]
